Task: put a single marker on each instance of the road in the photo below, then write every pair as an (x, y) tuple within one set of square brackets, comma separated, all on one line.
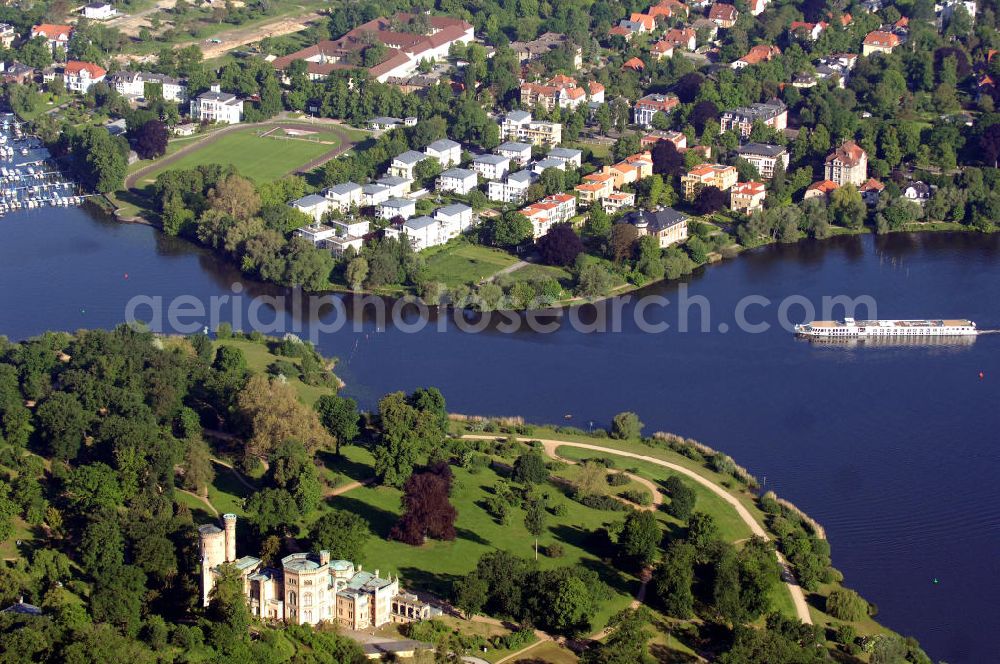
[(788, 577)]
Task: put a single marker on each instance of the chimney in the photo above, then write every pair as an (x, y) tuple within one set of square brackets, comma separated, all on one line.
[(216, 87), (324, 557), (229, 521)]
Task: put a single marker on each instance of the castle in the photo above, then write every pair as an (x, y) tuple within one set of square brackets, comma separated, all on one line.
[(309, 588)]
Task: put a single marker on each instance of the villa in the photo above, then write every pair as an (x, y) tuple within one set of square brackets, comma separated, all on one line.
[(217, 106)]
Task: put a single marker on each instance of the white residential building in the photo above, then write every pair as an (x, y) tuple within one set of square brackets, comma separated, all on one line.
[(398, 187), (383, 123), (403, 165), (79, 76), (132, 84), (350, 233), (540, 165), (455, 216), (424, 232), (492, 166), (448, 153), (57, 36), (458, 180), (551, 210), (571, 157), (344, 196), (374, 194), (519, 153), (99, 11), (397, 207), (518, 126), (513, 189), (314, 205), (217, 106), (764, 157), (316, 233)]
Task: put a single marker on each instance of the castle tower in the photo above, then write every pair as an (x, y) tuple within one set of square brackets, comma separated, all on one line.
[(229, 522), (213, 554)]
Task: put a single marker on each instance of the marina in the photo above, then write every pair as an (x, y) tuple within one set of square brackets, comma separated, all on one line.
[(28, 180)]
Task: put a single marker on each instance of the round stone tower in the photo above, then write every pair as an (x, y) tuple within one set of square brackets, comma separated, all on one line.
[(229, 523)]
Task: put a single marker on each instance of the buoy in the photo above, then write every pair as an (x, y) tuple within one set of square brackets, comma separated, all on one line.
[(126, 275), (567, 417), (982, 375)]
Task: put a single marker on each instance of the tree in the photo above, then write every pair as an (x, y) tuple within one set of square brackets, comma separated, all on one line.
[(701, 533), (340, 417), (342, 533), (710, 199), (682, 498), (151, 139), (626, 643), (673, 580), (626, 426), (357, 272), (510, 230), (564, 599), (623, 237), (405, 434), (471, 594), (666, 159), (228, 610), (529, 468), (593, 279), (744, 579), (275, 414), (534, 520), (639, 540), (598, 224), (99, 159), (561, 245), (427, 512), (293, 470), (989, 145), (590, 480), (845, 604), (118, 599), (236, 196), (847, 208), (93, 487), (62, 424), (272, 510)]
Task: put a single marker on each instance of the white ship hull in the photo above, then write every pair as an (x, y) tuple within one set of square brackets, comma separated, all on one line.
[(886, 329)]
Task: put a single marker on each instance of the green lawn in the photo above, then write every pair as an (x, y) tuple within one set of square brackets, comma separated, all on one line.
[(261, 159), (226, 492), (731, 527), (535, 271), (435, 565), (459, 262), (259, 357)]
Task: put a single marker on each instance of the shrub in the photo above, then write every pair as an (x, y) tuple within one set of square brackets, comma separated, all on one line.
[(618, 479), (606, 503), (554, 550), (224, 331), (559, 509), (845, 604), (638, 496), (845, 634), (682, 498), (626, 425)]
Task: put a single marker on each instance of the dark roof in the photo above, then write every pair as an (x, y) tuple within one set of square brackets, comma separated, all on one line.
[(762, 149), (23, 608), (656, 220)]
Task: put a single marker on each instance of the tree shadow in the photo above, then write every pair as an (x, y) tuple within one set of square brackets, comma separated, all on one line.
[(438, 583), (353, 469), (616, 579), (466, 534), (379, 520)]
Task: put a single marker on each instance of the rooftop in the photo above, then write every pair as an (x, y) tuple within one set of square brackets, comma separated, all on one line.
[(763, 149), (410, 157)]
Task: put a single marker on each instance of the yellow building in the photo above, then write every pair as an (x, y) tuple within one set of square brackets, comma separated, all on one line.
[(747, 196), (708, 175)]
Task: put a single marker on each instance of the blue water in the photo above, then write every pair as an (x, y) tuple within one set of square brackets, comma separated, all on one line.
[(893, 449)]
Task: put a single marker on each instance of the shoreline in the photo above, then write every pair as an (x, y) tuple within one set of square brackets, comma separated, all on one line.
[(916, 228)]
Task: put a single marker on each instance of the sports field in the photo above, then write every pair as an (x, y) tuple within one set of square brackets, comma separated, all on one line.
[(260, 158)]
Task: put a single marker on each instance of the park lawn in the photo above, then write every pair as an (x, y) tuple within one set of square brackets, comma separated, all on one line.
[(226, 492), (549, 652), (534, 271), (436, 565), (731, 527), (458, 263), (816, 600), (199, 511), (261, 159), (22, 532), (259, 357), (485, 630)]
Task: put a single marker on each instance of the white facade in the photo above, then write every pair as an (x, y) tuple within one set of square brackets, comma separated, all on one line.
[(374, 194), (99, 11), (458, 180), (314, 205), (424, 232), (571, 157), (448, 153), (133, 85), (397, 207), (79, 76), (519, 153), (513, 189), (518, 126), (317, 234), (398, 187), (344, 196), (217, 106), (492, 166), (403, 165)]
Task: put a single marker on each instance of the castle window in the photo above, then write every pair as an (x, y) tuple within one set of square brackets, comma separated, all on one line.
[(291, 598), (307, 599)]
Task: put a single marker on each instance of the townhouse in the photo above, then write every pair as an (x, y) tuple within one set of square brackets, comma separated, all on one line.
[(648, 106), (764, 157), (747, 196), (708, 175)]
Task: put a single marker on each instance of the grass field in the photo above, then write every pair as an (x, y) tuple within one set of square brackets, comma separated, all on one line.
[(459, 263), (435, 565), (535, 271), (261, 159), (259, 358)]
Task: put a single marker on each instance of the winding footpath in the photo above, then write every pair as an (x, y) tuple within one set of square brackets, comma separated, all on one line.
[(798, 596)]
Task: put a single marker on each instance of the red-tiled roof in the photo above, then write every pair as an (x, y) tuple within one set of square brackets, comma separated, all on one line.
[(849, 153), (823, 186), (635, 64), (881, 39), (76, 68), (722, 12), (50, 31)]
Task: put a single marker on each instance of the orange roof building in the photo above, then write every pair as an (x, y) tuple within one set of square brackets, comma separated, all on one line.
[(635, 64), (756, 55), (879, 42), (823, 189), (723, 15)]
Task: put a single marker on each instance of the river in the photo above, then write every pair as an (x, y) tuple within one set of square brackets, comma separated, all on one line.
[(893, 449)]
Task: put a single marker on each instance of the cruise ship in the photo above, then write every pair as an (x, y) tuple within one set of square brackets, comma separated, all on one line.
[(885, 329)]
